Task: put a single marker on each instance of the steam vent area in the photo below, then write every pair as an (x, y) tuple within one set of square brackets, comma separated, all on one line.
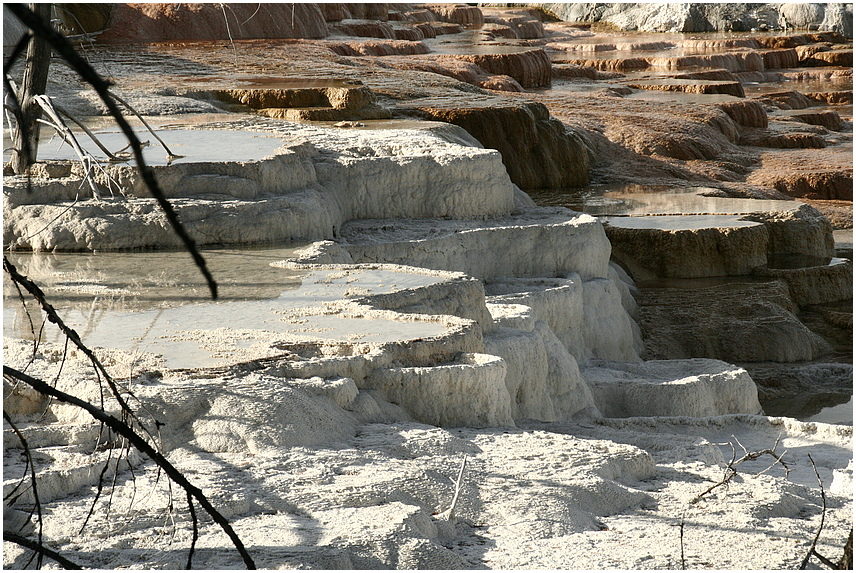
[(511, 286)]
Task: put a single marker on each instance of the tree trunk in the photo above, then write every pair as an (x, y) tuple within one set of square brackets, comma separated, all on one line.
[(25, 141)]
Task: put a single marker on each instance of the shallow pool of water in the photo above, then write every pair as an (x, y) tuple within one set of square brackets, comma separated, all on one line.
[(642, 200), (158, 303), (194, 145)]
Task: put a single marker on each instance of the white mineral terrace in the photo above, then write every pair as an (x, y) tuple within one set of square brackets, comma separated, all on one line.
[(210, 334)]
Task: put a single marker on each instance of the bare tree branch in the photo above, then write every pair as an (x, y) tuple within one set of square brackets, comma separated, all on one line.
[(122, 429), (40, 549), (64, 48)]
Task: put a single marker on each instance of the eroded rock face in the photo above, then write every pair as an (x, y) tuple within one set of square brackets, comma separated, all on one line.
[(734, 322), (531, 68), (188, 21), (538, 152)]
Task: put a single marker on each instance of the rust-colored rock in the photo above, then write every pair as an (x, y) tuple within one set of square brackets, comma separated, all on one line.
[(609, 65), (569, 71), (776, 59), (831, 98), (520, 23), (745, 61), (366, 10), (747, 113), (538, 151), (843, 58), (364, 29), (462, 14), (691, 86), (143, 23), (778, 42), (351, 97), (498, 31), (828, 119), (786, 100), (531, 68), (776, 140), (377, 48), (717, 75), (460, 70), (817, 185)]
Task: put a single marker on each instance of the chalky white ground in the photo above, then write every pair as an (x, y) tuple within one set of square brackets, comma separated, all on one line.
[(596, 496)]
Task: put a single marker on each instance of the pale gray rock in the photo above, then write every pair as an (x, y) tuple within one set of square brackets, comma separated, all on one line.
[(545, 241), (697, 388), (304, 190), (710, 17)]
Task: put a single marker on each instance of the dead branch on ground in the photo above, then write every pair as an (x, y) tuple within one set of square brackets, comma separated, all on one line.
[(728, 475)]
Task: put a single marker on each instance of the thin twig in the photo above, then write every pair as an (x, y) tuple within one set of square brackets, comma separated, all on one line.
[(457, 488), (32, 466), (64, 48), (40, 549), (812, 550), (121, 428)]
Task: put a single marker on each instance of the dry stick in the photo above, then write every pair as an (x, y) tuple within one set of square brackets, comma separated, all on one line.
[(62, 129), (64, 48), (730, 472), (141, 444), (36, 502), (811, 550), (169, 153), (40, 549), (457, 488)]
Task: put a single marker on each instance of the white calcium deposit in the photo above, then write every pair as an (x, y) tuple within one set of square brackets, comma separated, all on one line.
[(441, 316)]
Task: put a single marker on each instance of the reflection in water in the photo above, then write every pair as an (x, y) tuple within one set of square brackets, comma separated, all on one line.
[(194, 145), (827, 408), (157, 302), (638, 200)]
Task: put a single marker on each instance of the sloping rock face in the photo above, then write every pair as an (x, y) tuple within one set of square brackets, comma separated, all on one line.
[(188, 21), (815, 284), (735, 322), (538, 151), (531, 68)]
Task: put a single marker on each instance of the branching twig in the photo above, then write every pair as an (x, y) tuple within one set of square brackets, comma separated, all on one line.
[(40, 549), (121, 428), (63, 47), (730, 472)]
